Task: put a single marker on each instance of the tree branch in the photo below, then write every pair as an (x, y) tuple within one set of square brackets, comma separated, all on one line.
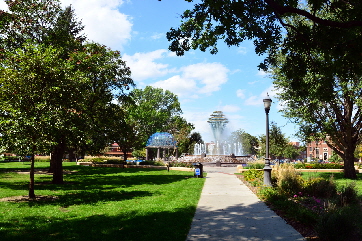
[(279, 9)]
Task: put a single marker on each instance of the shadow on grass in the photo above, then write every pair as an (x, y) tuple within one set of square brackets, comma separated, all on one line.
[(85, 178), (239, 222), (164, 225), (91, 197), (95, 185)]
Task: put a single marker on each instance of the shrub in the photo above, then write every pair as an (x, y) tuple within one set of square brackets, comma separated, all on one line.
[(139, 154), (254, 177), (288, 180), (299, 165), (42, 159), (337, 225), (347, 195), (316, 165), (255, 165), (180, 164), (98, 160), (320, 187), (115, 161)]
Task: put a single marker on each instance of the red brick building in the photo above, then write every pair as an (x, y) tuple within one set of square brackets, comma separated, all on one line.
[(319, 150)]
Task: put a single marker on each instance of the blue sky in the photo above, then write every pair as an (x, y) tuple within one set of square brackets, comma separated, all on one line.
[(228, 81)]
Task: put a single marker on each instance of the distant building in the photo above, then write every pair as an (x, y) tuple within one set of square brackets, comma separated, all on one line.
[(115, 150), (319, 150)]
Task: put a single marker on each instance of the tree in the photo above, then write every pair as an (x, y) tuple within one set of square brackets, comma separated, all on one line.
[(153, 111), (291, 152), (266, 22), (248, 142), (312, 46), (82, 102), (321, 89), (181, 130), (34, 86), (279, 146), (40, 23)]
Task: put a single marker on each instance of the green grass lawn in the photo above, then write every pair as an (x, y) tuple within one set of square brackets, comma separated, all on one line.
[(99, 204), (338, 178)]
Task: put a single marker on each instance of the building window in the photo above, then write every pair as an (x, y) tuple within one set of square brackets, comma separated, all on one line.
[(317, 151)]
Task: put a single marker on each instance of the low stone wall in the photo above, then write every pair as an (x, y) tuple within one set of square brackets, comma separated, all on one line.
[(135, 166)]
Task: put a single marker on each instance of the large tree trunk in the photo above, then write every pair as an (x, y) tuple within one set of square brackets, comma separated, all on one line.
[(125, 155), (31, 184), (52, 164), (57, 157), (348, 159)]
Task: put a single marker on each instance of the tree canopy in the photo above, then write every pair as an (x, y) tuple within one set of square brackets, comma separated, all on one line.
[(336, 27), (311, 46), (56, 89), (249, 143)]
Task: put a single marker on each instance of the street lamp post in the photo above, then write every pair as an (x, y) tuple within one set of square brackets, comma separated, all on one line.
[(267, 169)]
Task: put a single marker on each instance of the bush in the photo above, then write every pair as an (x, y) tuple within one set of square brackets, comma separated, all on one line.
[(180, 164), (254, 177), (299, 165), (337, 225), (320, 187), (114, 161), (288, 180), (255, 165), (97, 160), (347, 195), (42, 159), (139, 154), (316, 165)]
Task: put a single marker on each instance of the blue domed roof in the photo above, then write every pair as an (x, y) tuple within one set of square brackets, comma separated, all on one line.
[(161, 139)]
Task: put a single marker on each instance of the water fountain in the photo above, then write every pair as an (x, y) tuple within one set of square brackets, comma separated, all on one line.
[(221, 146)]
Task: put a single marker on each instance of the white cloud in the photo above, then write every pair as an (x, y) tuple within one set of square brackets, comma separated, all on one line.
[(230, 108), (103, 22), (262, 73), (254, 100), (210, 75), (242, 50), (143, 65), (240, 93), (179, 86), (196, 79), (188, 82), (258, 100), (158, 35)]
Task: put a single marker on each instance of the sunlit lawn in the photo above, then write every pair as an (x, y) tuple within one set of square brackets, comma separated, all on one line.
[(99, 204), (338, 178)]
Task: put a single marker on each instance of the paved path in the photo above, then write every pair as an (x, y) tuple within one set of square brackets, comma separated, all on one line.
[(228, 210)]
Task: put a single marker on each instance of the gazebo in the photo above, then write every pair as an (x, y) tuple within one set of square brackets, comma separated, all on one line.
[(161, 141)]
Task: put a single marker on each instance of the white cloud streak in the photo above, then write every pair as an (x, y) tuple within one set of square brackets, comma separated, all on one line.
[(103, 22), (195, 80), (143, 65)]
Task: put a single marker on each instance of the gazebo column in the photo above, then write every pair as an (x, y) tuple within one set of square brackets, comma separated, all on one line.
[(158, 153), (146, 153)]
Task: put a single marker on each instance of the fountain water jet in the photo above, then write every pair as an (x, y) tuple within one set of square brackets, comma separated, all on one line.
[(220, 147)]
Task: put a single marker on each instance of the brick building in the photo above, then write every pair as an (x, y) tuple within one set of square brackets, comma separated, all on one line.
[(319, 150)]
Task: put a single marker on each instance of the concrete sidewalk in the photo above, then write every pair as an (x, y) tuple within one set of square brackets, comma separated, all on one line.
[(228, 210)]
